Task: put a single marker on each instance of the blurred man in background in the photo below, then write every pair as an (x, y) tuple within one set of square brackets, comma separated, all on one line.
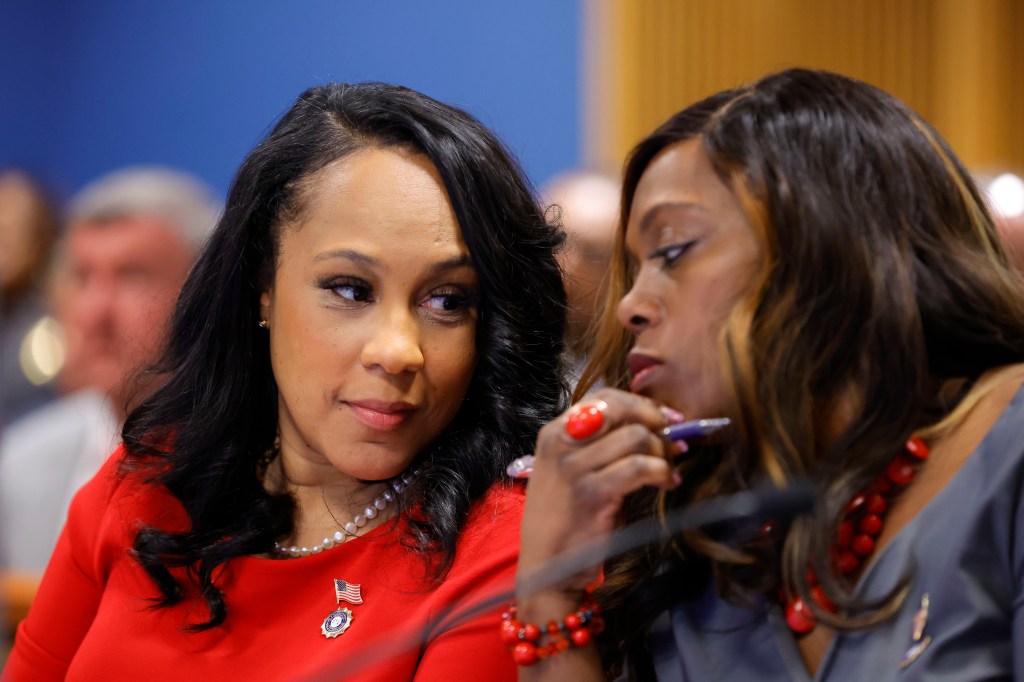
[(587, 206), (132, 237)]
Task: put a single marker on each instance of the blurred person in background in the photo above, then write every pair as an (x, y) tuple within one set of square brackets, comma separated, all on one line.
[(1005, 193), (132, 237), (1011, 228), (587, 206), (28, 229)]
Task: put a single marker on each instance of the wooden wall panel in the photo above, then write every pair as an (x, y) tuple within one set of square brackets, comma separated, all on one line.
[(960, 63)]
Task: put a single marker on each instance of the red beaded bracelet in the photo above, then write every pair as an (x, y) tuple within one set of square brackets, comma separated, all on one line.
[(575, 630)]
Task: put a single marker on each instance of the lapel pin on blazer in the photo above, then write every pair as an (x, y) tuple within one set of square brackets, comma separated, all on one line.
[(920, 641), (338, 620)]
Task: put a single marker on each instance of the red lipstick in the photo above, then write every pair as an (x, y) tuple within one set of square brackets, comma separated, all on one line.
[(380, 415), (641, 366)]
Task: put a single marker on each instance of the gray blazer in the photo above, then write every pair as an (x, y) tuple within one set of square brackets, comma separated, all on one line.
[(965, 551)]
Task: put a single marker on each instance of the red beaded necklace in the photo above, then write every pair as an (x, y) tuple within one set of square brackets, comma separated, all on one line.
[(863, 521)]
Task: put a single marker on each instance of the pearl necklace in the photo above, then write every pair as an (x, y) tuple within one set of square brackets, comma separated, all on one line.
[(396, 487)]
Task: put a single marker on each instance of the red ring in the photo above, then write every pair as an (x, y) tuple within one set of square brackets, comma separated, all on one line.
[(584, 421)]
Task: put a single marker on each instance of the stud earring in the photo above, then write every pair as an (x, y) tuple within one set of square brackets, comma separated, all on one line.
[(263, 324)]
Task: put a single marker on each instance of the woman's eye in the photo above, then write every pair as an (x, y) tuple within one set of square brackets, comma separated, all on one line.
[(353, 293), (356, 291), (448, 301), (671, 253)]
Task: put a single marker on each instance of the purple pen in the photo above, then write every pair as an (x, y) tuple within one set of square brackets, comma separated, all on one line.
[(522, 467), (697, 428)]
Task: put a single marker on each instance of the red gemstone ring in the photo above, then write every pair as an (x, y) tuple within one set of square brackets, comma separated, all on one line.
[(584, 421)]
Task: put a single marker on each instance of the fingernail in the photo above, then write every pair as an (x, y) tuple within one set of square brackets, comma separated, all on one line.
[(682, 446), (673, 416), (677, 478)]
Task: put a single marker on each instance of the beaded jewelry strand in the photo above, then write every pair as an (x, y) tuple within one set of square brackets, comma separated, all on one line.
[(349, 530), (857, 533), (530, 643)]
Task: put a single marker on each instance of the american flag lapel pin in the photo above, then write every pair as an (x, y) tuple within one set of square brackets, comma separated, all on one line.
[(338, 620), (919, 641), (349, 592)]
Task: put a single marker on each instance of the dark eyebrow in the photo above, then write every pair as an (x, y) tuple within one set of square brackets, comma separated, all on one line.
[(452, 263), (652, 213), (363, 259), (348, 254)]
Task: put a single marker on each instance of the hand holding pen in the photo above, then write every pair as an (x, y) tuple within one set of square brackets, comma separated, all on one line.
[(522, 467), (585, 464)]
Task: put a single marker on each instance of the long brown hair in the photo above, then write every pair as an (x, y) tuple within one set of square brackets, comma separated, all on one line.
[(882, 283)]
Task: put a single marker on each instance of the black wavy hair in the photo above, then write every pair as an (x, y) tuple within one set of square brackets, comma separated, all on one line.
[(205, 433)]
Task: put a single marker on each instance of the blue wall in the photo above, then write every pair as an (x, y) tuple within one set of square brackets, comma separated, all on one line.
[(86, 87)]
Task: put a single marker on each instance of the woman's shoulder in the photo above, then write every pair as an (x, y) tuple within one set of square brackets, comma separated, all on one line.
[(983, 444), (501, 505), (994, 429), (109, 482), (486, 555), (504, 494), (1005, 384), (123, 493), (492, 527), (994, 411)]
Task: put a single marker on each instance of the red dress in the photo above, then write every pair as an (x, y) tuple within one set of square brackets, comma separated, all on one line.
[(92, 619)]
